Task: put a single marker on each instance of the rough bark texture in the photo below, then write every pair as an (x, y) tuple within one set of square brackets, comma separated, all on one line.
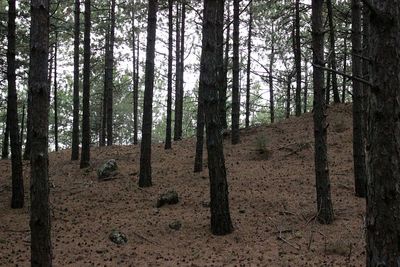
[(360, 180), (288, 96), (297, 57), (145, 149), (344, 86), (271, 81), (168, 134), (383, 198), (103, 130), (75, 121), (305, 96), (136, 96), (198, 161), (248, 69), (332, 52), (85, 153), (6, 137), (235, 76), (223, 89), (17, 199), (220, 217), (27, 152), (178, 96), (41, 250), (110, 76), (55, 100), (324, 202)]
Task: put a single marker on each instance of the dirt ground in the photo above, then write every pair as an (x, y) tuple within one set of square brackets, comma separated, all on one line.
[(272, 202)]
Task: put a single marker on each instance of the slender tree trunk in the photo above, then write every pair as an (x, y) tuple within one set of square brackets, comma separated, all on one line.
[(271, 81), (365, 66), (235, 84), (344, 65), (178, 119), (75, 121), (182, 67), (221, 223), (110, 77), (27, 152), (324, 201), (103, 131), (305, 97), (145, 149), (21, 141), (6, 137), (136, 96), (297, 57), (41, 250), (200, 124), (168, 134), (332, 57), (17, 200), (55, 93), (249, 67), (358, 135), (85, 153), (328, 85), (223, 89), (288, 96), (383, 198)]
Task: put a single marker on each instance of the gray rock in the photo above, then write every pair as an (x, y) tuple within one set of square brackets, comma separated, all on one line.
[(175, 225), (170, 197), (118, 238), (107, 170)]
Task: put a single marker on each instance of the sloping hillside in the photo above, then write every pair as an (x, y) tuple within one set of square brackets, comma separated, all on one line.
[(272, 200)]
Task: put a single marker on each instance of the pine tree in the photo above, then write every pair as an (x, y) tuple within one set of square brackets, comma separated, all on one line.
[(235, 83), (75, 123)]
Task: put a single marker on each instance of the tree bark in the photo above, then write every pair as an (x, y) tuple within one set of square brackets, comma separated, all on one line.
[(136, 96), (6, 137), (324, 201), (178, 96), (145, 149), (383, 198), (75, 121), (41, 250), (168, 134), (200, 124), (288, 96), (344, 66), (85, 153), (221, 223), (27, 152), (223, 89), (235, 83), (248, 82), (110, 77), (332, 57), (358, 135), (55, 85), (297, 57), (271, 81), (17, 199)]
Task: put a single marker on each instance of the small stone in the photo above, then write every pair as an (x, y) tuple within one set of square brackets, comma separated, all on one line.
[(118, 238), (205, 204), (107, 170), (175, 225), (171, 197), (242, 211)]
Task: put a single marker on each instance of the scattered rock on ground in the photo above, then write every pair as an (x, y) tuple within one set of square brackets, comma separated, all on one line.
[(118, 237), (205, 204), (175, 225), (170, 197), (107, 170)]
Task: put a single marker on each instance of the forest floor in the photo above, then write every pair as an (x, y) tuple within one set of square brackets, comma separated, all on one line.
[(272, 202)]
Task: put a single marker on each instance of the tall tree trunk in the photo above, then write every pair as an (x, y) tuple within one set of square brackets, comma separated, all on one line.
[(178, 96), (221, 223), (223, 89), (365, 66), (383, 198), (305, 97), (332, 57), (235, 83), (168, 134), (145, 148), (136, 96), (27, 152), (249, 66), (17, 200), (324, 201), (271, 81), (85, 153), (288, 96), (297, 57), (6, 137), (103, 131), (182, 67), (110, 77), (344, 65), (55, 93), (358, 135), (41, 250), (21, 140), (200, 124), (75, 121), (328, 85)]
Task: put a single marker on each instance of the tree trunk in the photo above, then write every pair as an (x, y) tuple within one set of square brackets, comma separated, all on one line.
[(6, 138), (145, 149), (198, 161), (344, 65), (249, 67), (271, 81), (235, 83), (136, 96), (223, 89), (324, 201), (103, 131), (305, 97), (182, 67), (168, 134), (85, 153), (288, 88), (17, 200), (75, 122), (297, 57), (110, 77), (27, 152), (21, 141), (221, 223), (55, 93), (358, 135), (332, 57), (41, 250), (383, 198), (178, 117)]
